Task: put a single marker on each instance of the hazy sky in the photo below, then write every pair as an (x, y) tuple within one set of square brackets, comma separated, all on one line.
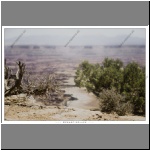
[(84, 36)]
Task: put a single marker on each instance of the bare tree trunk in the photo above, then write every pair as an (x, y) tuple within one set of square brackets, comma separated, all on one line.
[(17, 79)]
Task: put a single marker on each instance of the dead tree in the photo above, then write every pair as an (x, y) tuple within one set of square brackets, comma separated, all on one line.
[(7, 71), (16, 87)]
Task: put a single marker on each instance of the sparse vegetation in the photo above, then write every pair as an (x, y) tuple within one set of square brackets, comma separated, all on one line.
[(121, 89), (43, 86)]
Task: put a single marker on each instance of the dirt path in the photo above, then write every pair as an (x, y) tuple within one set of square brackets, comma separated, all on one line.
[(82, 99)]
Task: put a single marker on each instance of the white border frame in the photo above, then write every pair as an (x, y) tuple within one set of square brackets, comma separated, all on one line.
[(80, 122)]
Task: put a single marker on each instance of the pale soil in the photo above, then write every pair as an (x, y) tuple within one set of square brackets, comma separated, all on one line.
[(54, 113), (83, 108)]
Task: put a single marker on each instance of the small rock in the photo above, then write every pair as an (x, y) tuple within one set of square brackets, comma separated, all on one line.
[(100, 116), (41, 107), (35, 107), (7, 103)]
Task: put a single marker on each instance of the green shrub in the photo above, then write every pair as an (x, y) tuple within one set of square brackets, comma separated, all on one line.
[(82, 74), (95, 77), (124, 108), (111, 81), (117, 64), (109, 100), (134, 86), (112, 101)]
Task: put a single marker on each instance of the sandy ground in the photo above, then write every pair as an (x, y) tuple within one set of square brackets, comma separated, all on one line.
[(84, 107), (83, 100), (60, 113)]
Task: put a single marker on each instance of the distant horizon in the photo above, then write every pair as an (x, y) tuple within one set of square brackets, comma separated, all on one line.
[(71, 37), (74, 45)]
